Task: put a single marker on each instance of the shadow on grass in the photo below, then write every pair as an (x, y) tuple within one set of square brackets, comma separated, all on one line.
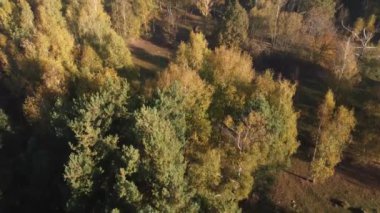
[(143, 55), (296, 175), (367, 175), (260, 200)]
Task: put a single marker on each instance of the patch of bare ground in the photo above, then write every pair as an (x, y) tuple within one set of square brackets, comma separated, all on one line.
[(356, 185), (148, 56)]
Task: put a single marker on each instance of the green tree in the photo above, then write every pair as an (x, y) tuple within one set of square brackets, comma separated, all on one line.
[(332, 137), (99, 167), (234, 29), (196, 99), (274, 99), (163, 165)]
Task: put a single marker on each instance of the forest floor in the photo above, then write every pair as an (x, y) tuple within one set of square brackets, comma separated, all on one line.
[(358, 185), (148, 56)]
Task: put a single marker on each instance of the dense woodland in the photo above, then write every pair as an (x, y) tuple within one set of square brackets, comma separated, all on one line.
[(85, 129)]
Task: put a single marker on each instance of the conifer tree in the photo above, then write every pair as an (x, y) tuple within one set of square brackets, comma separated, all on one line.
[(99, 167), (234, 29)]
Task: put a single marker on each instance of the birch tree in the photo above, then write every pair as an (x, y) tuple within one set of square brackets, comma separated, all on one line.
[(332, 137)]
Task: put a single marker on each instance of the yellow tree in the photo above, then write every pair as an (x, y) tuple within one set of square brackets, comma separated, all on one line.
[(91, 24), (332, 137), (130, 16), (193, 53), (205, 6), (230, 71)]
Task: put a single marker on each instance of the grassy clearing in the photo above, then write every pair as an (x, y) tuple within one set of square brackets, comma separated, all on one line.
[(148, 56), (358, 191)]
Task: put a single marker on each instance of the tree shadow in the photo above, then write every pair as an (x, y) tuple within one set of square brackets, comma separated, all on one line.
[(366, 175), (260, 200), (143, 55), (296, 175)]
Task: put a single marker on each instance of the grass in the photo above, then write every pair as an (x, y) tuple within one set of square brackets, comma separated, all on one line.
[(148, 56), (311, 197)]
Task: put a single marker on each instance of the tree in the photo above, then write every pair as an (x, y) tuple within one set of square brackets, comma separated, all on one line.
[(41, 52), (289, 29), (163, 163), (205, 6), (196, 99), (241, 142), (328, 6), (346, 63), (194, 53), (262, 133), (234, 29), (129, 17), (370, 64), (229, 66), (363, 32), (265, 18), (17, 19), (274, 100), (90, 23), (230, 71), (99, 167), (332, 137)]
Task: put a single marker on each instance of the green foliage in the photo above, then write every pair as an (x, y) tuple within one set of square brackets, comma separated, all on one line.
[(202, 142), (96, 152), (196, 99), (275, 101), (162, 162), (332, 137), (234, 29)]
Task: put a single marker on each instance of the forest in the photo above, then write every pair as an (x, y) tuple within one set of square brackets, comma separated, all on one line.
[(189, 106)]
